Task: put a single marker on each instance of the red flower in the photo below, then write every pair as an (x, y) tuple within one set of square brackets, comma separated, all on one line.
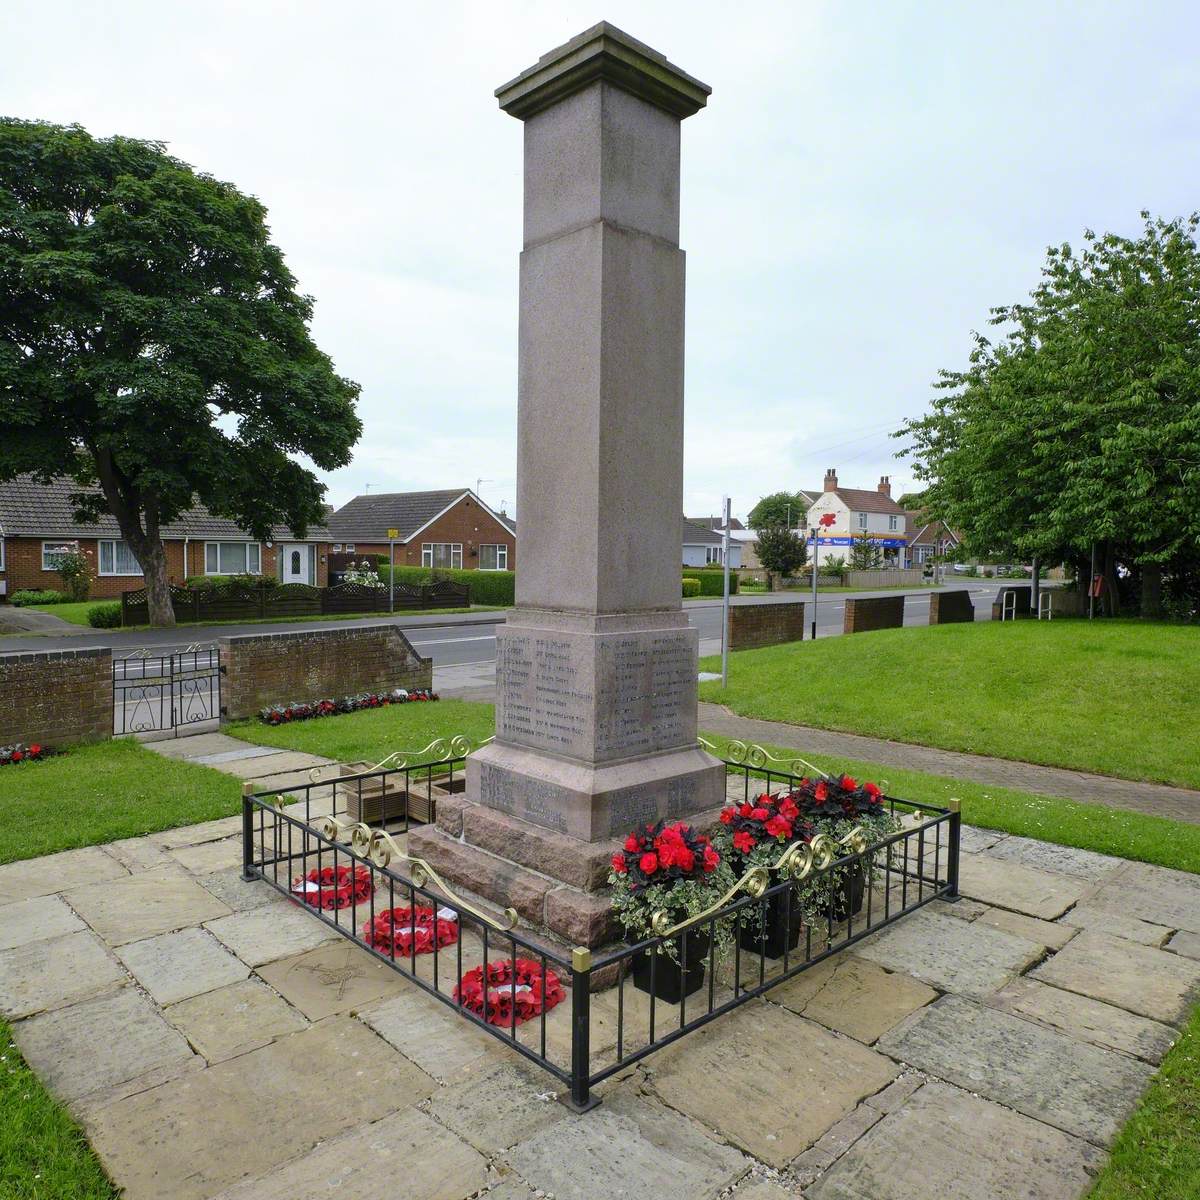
[(779, 827), (515, 991), (648, 864), (745, 810), (685, 860), (849, 783), (788, 808), (17, 756), (727, 815), (618, 863), (35, 749), (712, 859), (743, 841), (632, 844), (759, 814), (821, 792), (872, 790), (406, 931), (334, 887)]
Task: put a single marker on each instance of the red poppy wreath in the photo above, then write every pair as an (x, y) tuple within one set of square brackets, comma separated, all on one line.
[(512, 987), (334, 887), (407, 931)]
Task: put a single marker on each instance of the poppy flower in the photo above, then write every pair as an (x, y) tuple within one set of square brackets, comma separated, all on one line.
[(618, 863), (632, 845), (727, 815), (648, 863)]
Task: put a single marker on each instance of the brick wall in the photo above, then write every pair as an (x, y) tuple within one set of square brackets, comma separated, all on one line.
[(880, 612), (56, 697), (465, 523), (947, 607), (273, 668), (753, 625)]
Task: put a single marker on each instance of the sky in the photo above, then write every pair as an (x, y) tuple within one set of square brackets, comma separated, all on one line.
[(868, 180)]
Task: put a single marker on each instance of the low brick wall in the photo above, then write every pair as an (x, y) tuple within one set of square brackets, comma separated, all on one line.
[(945, 608), (753, 625), (273, 668), (1024, 602), (886, 577), (56, 697), (880, 612)]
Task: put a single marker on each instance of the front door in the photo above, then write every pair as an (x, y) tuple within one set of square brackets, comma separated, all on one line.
[(296, 564)]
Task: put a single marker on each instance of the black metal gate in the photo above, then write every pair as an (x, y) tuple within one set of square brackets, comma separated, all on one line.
[(166, 692)]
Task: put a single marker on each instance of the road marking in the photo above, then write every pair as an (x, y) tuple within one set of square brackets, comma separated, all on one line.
[(450, 641)]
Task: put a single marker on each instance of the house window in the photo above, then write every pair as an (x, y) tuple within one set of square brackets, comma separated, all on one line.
[(349, 547), (1, 554), (336, 547), (893, 522), (714, 554), (232, 558), (492, 558), (116, 558), (53, 551), (441, 554), (862, 520)]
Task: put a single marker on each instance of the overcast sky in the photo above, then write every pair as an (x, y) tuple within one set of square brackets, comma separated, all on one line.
[(867, 180)]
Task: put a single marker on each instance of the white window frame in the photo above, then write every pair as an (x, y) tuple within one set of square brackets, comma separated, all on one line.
[(250, 546), (893, 522), (114, 543), (714, 555), (862, 520), (1, 554), (66, 545), (501, 549), (348, 548), (427, 555)]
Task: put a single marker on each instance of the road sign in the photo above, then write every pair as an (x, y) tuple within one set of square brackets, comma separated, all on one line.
[(393, 533)]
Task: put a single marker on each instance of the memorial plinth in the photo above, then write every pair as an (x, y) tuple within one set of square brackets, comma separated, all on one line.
[(596, 665)]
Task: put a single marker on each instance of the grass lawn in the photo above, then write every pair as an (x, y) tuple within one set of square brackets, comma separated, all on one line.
[(376, 732), (77, 614), (43, 1153), (103, 791), (1116, 697)]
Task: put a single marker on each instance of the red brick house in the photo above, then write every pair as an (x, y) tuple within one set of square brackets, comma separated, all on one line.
[(36, 524), (451, 528)]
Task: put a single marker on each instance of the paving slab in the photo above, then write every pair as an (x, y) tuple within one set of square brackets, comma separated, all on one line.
[(240, 1119), (174, 966), (439, 1041), (138, 906), (232, 1020), (783, 1080), (265, 934), (854, 996), (98, 1043), (1081, 1089), (1013, 885), (333, 978), (494, 1109), (35, 919), (257, 767), (240, 894), (1187, 944), (56, 872), (962, 908), (1154, 983), (833, 1144), (947, 1143), (207, 857), (1104, 920), (193, 835), (200, 745), (137, 853), (1051, 934), (1086, 1019), (629, 1146), (760, 1189), (50, 973), (1062, 860), (1154, 894), (408, 1146), (972, 839), (951, 955)]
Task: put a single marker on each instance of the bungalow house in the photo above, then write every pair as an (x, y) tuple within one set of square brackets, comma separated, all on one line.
[(858, 514), (929, 539), (452, 528), (704, 545), (36, 526)]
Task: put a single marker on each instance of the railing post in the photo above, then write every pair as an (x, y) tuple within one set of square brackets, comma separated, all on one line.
[(248, 871), (955, 807), (581, 1098)]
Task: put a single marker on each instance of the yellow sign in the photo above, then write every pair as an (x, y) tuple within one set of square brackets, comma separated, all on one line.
[(393, 533)]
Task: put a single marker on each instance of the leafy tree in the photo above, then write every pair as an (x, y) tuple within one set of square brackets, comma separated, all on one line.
[(866, 554), (780, 550), (912, 501), (784, 509), (153, 345), (1080, 425)]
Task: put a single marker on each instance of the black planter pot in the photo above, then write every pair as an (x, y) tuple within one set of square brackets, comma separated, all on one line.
[(775, 931), (852, 888), (671, 981)]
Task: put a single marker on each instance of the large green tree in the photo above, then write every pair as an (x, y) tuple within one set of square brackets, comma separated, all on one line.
[(153, 345), (1079, 426), (780, 550), (779, 508)]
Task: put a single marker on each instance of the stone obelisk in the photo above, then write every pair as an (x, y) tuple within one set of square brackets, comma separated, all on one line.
[(596, 665)]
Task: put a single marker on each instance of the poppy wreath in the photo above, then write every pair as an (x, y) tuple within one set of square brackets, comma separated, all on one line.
[(840, 797), (282, 714), (12, 755), (334, 887), (764, 821), (516, 991), (663, 853), (410, 930)]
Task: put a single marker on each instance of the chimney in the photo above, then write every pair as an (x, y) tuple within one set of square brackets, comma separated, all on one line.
[(885, 485), (831, 479)]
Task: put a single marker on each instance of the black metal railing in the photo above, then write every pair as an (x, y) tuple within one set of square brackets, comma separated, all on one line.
[(166, 692), (616, 1014)]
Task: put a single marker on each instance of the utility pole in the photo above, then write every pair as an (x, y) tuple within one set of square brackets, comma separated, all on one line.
[(725, 600)]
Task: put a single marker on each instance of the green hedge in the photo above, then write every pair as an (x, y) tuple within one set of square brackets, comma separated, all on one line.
[(487, 587), (691, 587), (27, 596), (712, 580), (105, 616)]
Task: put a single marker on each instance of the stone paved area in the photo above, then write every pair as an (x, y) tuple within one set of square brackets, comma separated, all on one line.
[(217, 1041), (1181, 804)]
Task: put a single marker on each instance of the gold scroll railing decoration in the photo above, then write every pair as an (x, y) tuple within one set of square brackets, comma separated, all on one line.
[(439, 750), (380, 848), (800, 860)]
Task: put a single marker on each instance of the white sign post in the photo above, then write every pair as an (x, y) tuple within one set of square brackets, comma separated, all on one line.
[(393, 534), (725, 601)]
